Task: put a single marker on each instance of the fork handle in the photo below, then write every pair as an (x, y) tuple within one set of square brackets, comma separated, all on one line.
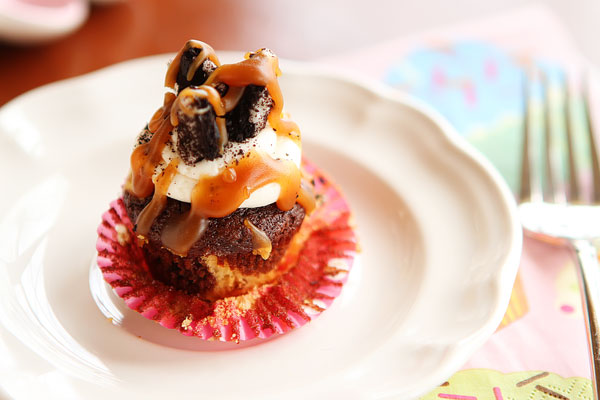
[(589, 279)]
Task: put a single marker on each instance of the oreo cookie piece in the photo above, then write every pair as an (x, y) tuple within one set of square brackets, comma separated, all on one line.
[(198, 135), (250, 114), (201, 74)]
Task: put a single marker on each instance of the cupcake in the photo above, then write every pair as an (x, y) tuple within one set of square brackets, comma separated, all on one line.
[(223, 230)]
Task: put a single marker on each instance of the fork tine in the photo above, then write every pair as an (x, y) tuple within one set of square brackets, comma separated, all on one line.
[(525, 189), (554, 190), (592, 143), (530, 189), (574, 192)]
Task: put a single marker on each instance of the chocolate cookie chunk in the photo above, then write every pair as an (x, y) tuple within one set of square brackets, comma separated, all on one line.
[(250, 115), (201, 74), (198, 135)]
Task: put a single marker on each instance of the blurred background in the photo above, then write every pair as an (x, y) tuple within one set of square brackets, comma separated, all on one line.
[(48, 40)]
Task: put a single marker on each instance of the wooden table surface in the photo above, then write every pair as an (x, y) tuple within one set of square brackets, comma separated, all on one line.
[(135, 28), (296, 29)]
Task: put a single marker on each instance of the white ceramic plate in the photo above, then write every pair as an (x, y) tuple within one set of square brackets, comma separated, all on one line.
[(440, 250)]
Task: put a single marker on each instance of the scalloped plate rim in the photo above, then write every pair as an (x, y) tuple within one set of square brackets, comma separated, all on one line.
[(461, 350)]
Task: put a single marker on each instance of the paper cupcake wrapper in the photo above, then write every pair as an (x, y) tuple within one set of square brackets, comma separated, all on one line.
[(320, 267)]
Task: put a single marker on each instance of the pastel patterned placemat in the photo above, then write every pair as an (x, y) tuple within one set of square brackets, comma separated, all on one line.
[(473, 73), (474, 384)]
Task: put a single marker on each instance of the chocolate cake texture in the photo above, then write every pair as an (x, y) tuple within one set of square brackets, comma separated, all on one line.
[(226, 238)]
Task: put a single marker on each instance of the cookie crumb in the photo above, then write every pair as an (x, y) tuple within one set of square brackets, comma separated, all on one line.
[(123, 236), (185, 324)]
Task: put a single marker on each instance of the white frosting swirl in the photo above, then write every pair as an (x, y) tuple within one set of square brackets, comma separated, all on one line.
[(266, 141)]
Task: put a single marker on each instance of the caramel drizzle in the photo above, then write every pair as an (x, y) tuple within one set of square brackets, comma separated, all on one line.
[(306, 197), (260, 241), (260, 69), (159, 200), (205, 52), (232, 98), (218, 196), (147, 156)]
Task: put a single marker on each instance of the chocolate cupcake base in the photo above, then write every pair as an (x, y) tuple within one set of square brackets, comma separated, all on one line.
[(311, 274), (222, 263)]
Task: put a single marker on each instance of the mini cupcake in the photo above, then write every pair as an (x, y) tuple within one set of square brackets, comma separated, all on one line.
[(223, 231)]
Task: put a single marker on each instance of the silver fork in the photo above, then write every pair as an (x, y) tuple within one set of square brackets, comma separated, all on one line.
[(557, 210)]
